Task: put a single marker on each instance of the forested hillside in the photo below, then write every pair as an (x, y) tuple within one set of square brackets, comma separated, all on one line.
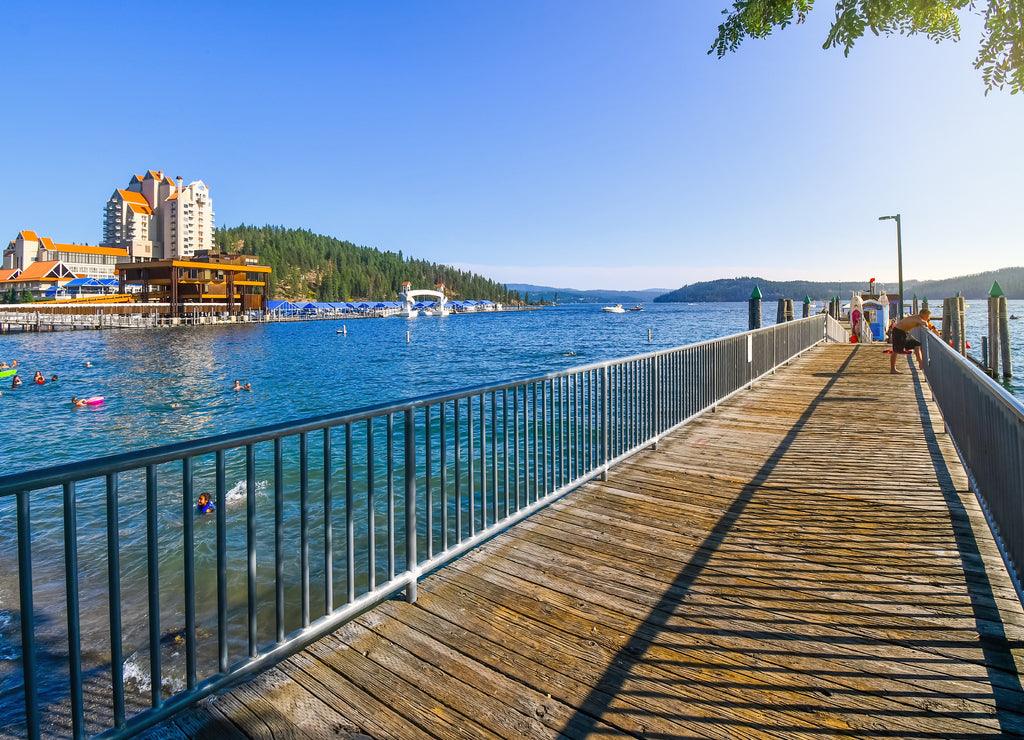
[(308, 266)]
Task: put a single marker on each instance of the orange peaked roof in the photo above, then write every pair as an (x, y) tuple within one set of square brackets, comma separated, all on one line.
[(29, 236), (38, 271)]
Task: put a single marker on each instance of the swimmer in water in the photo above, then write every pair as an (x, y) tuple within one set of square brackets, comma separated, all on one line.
[(238, 386), (204, 505), (88, 364), (247, 387), (15, 382), (38, 378), (77, 401)]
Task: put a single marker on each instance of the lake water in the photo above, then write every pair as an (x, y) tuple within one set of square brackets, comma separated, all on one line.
[(174, 384), (167, 385)]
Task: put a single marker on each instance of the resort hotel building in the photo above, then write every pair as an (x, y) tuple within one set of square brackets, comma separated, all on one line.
[(154, 218), (157, 246)]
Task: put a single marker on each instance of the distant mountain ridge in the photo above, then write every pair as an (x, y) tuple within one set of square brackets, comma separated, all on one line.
[(571, 295), (1010, 279)]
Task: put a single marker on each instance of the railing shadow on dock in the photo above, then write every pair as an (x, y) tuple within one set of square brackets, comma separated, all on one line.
[(995, 645), (611, 684)]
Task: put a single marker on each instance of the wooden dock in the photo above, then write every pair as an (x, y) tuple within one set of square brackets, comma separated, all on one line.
[(807, 561)]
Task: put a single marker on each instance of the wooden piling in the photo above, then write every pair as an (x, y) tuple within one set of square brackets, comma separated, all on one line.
[(953, 323), (754, 310), (998, 334), (807, 306)]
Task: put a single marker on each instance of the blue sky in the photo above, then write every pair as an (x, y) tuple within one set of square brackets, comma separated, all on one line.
[(585, 144)]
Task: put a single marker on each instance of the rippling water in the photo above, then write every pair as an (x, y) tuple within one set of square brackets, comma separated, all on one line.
[(166, 385)]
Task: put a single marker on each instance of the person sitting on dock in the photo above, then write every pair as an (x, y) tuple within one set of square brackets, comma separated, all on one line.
[(205, 505), (903, 342)]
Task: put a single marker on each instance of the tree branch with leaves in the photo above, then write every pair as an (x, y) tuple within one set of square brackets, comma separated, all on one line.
[(1000, 58)]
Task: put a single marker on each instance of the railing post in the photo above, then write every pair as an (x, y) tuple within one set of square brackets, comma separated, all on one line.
[(410, 503), (29, 664), (654, 427), (605, 400)]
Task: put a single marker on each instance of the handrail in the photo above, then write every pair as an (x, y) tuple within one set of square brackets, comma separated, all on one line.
[(373, 498), (986, 424)]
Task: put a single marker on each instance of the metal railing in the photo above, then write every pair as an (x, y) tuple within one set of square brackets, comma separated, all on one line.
[(132, 605), (986, 424)]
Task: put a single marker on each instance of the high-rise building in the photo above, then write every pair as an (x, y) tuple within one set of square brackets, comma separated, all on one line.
[(154, 218)]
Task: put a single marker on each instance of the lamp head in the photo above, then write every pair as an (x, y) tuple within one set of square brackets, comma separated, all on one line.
[(883, 218)]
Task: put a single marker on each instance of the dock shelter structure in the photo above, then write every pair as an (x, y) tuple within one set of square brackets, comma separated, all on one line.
[(238, 281)]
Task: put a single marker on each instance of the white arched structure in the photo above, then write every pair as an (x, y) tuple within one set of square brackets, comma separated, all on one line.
[(409, 297)]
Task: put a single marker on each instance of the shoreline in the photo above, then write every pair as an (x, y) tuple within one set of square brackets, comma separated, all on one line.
[(42, 317)]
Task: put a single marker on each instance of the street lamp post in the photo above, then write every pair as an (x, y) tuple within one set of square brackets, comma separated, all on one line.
[(899, 255)]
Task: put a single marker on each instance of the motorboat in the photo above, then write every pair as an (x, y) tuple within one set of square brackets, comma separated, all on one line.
[(637, 308), (617, 308)]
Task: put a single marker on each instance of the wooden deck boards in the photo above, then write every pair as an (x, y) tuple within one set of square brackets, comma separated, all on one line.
[(773, 570)]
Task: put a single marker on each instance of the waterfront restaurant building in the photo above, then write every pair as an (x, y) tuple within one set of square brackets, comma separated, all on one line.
[(207, 281)]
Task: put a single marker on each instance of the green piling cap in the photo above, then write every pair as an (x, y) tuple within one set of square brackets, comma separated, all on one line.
[(756, 294), (996, 291), (915, 296), (807, 299)]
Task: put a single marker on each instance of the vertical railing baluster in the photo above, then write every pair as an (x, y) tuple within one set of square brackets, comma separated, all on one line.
[(516, 459), (304, 523), (428, 489), (114, 600), (222, 564), (279, 540), (445, 537), (328, 526), (543, 490), (494, 456), (483, 460), (411, 557), (72, 605), (371, 511), (153, 580), (188, 513), (250, 545), (391, 496), (504, 446), (350, 522), (470, 463), (29, 662), (536, 445), (458, 471)]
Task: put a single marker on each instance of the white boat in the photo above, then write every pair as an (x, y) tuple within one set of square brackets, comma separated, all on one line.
[(408, 312), (617, 308)]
